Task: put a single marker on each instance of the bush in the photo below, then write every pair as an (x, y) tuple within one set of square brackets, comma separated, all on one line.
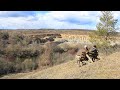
[(61, 58), (110, 50), (25, 52), (73, 51), (18, 67), (50, 39), (64, 46), (6, 67), (43, 40), (57, 49), (4, 35), (47, 56), (29, 65), (69, 47), (17, 38)]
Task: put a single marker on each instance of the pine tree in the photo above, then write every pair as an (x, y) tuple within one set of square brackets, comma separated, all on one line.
[(106, 30)]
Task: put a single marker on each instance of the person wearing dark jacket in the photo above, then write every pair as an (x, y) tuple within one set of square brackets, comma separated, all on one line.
[(94, 52)]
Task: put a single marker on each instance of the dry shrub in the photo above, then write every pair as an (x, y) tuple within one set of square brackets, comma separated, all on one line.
[(46, 58), (18, 67), (69, 47), (6, 67), (61, 58), (58, 49), (55, 54), (110, 50), (29, 65), (73, 51), (65, 46), (4, 35), (34, 47), (43, 60)]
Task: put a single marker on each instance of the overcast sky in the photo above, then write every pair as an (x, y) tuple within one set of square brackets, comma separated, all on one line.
[(51, 19)]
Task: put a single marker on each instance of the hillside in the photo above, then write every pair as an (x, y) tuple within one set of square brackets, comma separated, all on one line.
[(106, 68)]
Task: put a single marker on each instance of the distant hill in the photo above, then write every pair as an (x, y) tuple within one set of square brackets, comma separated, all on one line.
[(60, 31)]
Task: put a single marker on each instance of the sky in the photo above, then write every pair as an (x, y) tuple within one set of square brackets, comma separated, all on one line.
[(51, 19)]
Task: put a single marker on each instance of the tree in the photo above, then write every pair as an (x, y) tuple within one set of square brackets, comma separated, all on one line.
[(106, 30)]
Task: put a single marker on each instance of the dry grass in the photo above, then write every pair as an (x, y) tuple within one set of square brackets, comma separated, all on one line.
[(106, 68)]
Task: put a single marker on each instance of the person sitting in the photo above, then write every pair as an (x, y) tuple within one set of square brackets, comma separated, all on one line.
[(94, 52), (87, 53)]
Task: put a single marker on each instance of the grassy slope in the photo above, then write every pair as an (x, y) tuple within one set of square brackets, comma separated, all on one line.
[(105, 68)]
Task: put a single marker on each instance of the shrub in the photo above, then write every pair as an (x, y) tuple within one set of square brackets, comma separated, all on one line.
[(47, 56), (18, 38), (61, 58), (18, 67), (109, 50), (6, 67), (4, 35), (57, 49), (50, 39), (29, 65), (73, 51), (64, 46)]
